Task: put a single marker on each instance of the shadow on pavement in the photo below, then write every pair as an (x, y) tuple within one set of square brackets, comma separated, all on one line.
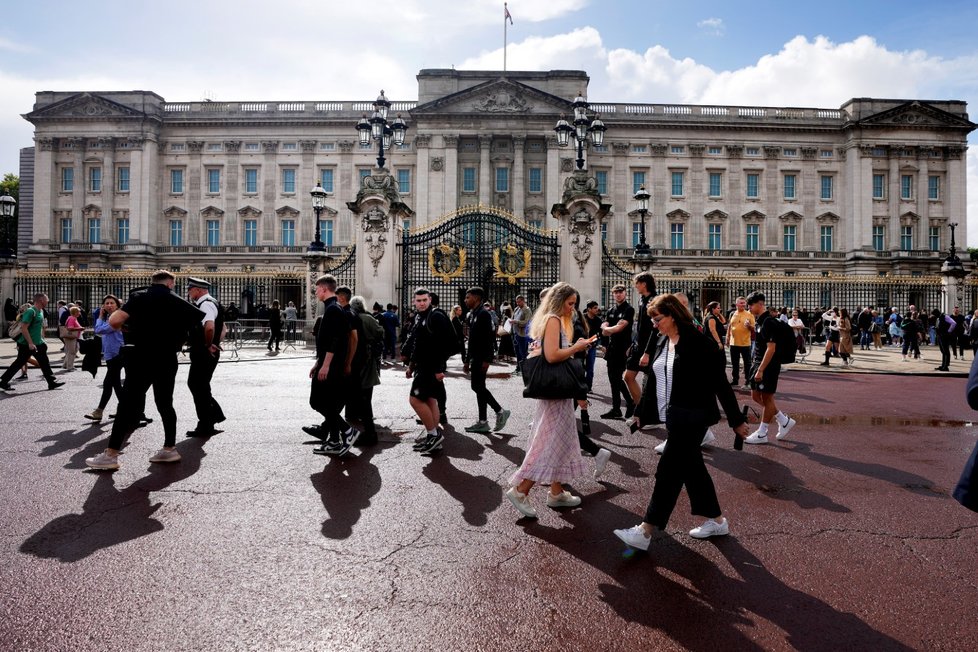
[(346, 485), (109, 516), (66, 440)]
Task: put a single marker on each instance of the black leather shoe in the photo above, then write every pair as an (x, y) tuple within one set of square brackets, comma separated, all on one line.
[(209, 432), (314, 431), (612, 414), (629, 411), (55, 384)]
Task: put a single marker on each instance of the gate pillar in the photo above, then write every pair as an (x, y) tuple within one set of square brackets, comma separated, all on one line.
[(579, 215), (378, 210)]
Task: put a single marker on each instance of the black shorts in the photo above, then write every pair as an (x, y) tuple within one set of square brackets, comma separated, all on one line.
[(425, 386), (634, 360), (834, 336), (769, 379)]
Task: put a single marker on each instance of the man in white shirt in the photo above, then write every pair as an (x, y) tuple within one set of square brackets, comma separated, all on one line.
[(205, 351)]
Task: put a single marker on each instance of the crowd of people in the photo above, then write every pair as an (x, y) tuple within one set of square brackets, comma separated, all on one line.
[(666, 366)]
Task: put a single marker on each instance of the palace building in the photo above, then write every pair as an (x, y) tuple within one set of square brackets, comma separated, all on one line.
[(126, 180)]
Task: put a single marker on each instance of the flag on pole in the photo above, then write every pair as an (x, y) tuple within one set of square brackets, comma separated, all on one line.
[(507, 15)]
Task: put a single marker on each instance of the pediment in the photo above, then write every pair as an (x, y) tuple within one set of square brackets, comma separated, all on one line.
[(287, 211), (92, 211), (716, 216), (828, 218), (678, 215), (753, 216), (790, 216), (249, 211), (175, 211), (85, 105), (909, 218), (915, 114), (212, 211), (497, 97)]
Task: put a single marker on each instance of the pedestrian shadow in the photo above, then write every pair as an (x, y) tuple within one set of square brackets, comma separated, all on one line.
[(67, 440), (109, 516), (346, 485), (915, 484), (774, 479), (709, 610), (503, 448), (478, 494)]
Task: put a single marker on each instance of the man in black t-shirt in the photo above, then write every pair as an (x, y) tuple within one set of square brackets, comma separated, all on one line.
[(432, 338), (158, 322), (765, 369), (617, 327), (482, 337), (638, 360)]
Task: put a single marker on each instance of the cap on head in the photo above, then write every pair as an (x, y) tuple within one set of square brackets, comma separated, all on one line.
[(200, 283)]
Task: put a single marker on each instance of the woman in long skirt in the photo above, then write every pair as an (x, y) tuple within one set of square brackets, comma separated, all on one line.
[(554, 454)]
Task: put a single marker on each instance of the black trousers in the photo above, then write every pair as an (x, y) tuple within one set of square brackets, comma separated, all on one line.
[(483, 396), (112, 381), (23, 355), (681, 465), (276, 335), (616, 369), (142, 372), (202, 366), (738, 354), (328, 398), (945, 351)]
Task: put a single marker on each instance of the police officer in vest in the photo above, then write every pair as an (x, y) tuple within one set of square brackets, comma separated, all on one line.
[(205, 351)]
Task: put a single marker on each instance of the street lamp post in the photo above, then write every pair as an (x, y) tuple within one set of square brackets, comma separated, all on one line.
[(8, 205), (318, 204), (377, 128), (583, 127), (642, 249)]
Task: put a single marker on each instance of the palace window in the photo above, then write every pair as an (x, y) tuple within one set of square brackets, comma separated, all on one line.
[(640, 149), (67, 179), (251, 233), (468, 180), (288, 233), (288, 180), (122, 230), (326, 232), (602, 178), (251, 147), (790, 151), (879, 239), (677, 184), (122, 174), (176, 182), (752, 238), (906, 186), (825, 153), (879, 186), (94, 179), (715, 240), (502, 179), (213, 233), (176, 233), (214, 147), (789, 186), (934, 238), (636, 233), (933, 187), (753, 151), (906, 238), (213, 180), (714, 151), (826, 187), (404, 181), (94, 230), (676, 149), (825, 238), (752, 185), (716, 181), (790, 235), (638, 180), (251, 180), (364, 173), (604, 231), (326, 179), (289, 147), (66, 230), (536, 180), (676, 236)]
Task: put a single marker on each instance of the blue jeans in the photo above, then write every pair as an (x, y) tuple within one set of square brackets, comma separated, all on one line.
[(520, 345)]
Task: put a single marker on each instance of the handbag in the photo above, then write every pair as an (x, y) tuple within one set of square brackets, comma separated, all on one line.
[(546, 380)]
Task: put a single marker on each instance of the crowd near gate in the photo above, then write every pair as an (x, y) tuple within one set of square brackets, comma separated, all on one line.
[(478, 246)]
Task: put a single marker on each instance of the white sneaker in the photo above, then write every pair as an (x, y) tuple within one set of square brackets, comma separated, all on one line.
[(166, 455), (757, 437), (661, 448), (521, 502), (634, 537), (103, 461), (786, 428), (601, 461), (563, 499), (709, 438), (710, 528)]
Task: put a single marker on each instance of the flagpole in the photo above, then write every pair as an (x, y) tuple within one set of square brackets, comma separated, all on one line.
[(505, 14)]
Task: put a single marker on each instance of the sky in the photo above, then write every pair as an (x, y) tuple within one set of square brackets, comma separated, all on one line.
[(758, 53)]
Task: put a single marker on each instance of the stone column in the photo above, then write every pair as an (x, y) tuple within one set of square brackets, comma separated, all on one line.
[(307, 178), (519, 185), (47, 184), (579, 216), (269, 188), (734, 197), (774, 197), (955, 187), (377, 211), (620, 232), (450, 198), (893, 204), (485, 170), (80, 188), (107, 146), (232, 192), (552, 181), (193, 193), (422, 174), (810, 192), (695, 192)]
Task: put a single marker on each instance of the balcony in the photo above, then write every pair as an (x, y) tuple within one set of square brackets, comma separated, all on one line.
[(735, 253)]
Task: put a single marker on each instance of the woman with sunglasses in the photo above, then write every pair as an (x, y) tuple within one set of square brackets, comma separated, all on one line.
[(686, 378)]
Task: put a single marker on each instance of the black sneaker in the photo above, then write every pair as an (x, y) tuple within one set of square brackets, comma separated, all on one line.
[(431, 444), (5, 386), (629, 411), (329, 447), (612, 414), (55, 384), (315, 431)]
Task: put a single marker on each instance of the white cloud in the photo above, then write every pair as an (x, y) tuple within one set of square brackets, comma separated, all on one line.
[(712, 26), (13, 46), (578, 50)]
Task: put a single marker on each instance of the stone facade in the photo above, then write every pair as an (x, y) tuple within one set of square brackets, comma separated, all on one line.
[(127, 179)]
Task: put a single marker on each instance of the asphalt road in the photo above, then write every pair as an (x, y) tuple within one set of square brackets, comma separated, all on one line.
[(844, 537)]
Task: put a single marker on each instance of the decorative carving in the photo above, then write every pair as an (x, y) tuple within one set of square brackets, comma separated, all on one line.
[(809, 152), (450, 142), (106, 142), (620, 149), (485, 141), (446, 261), (212, 212), (249, 211), (580, 183), (842, 152), (881, 220), (715, 216), (772, 151), (232, 146), (375, 221), (678, 215), (696, 149), (658, 150), (287, 211), (346, 146), (135, 142), (582, 228), (791, 217), (909, 219), (45, 144), (269, 146), (753, 217), (120, 214), (195, 146), (502, 102), (422, 141), (956, 151), (175, 212), (519, 143), (92, 212), (870, 150), (71, 143), (735, 151), (566, 165), (308, 146), (551, 142), (376, 248), (827, 218), (510, 264), (437, 163)]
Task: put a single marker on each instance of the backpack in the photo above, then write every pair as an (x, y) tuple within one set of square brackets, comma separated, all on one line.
[(13, 331), (785, 345)]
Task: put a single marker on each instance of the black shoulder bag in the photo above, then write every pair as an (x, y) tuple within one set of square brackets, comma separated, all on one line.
[(548, 380)]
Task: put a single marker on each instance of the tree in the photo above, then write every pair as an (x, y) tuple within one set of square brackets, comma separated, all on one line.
[(11, 186)]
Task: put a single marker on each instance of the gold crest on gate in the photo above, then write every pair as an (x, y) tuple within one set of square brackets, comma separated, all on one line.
[(446, 262), (510, 263)]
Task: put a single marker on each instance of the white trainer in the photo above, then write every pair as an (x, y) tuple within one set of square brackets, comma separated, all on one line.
[(521, 502), (634, 537), (786, 428), (757, 437), (166, 455), (563, 499), (661, 448), (710, 528), (601, 461), (709, 438)]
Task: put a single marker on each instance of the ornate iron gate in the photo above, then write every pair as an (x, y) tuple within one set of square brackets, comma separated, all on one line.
[(614, 271), (478, 246)]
